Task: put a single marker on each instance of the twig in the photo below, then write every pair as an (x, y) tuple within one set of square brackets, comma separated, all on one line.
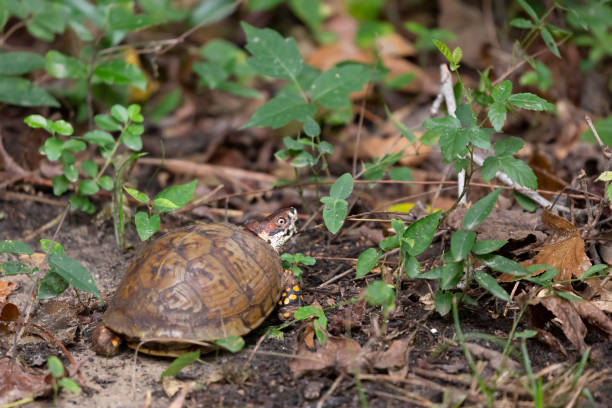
[(331, 390)]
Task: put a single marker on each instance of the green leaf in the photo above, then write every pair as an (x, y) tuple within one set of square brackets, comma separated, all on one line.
[(332, 88), (489, 283), (487, 246), (443, 48), (457, 55), (211, 73), (521, 23), (527, 203), (166, 105), (106, 122), (529, 10), (37, 121), (342, 187), (62, 127), (231, 343), (389, 243), (518, 171), (131, 137), (69, 384), (568, 296), (211, 11), (334, 213), (89, 167), (421, 232), (73, 145), (15, 247), (451, 275), (74, 273), (82, 203), (497, 115), (174, 197), (18, 62), (99, 137), (59, 65), (137, 195), (119, 72), (443, 302), (281, 110), (550, 42), (594, 270), (52, 148), (120, 19), (55, 366), (22, 92), (51, 285), (502, 264), (502, 91), (46, 246), (411, 267), (60, 185), (106, 183), (380, 293), (180, 362), (309, 11), (146, 226), (272, 55), (531, 102), (311, 127), (10, 268), (88, 187), (480, 210), (120, 113), (367, 261), (508, 146), (461, 244), (400, 174)]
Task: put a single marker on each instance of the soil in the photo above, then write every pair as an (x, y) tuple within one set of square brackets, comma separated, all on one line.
[(247, 378)]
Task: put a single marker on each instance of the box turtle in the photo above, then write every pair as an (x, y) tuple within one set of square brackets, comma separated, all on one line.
[(201, 283)]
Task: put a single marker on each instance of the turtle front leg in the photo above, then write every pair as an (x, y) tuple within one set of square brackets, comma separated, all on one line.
[(105, 342), (291, 297)]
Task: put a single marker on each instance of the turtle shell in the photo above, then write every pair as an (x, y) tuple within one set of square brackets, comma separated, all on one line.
[(201, 283)]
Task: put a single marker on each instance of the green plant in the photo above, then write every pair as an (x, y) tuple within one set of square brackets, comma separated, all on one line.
[(335, 205), (292, 262), (62, 271), (59, 380)]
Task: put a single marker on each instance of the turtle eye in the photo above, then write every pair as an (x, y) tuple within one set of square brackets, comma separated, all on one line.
[(280, 222)]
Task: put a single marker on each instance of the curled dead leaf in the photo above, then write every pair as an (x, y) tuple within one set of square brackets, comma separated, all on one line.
[(340, 353), (16, 383)]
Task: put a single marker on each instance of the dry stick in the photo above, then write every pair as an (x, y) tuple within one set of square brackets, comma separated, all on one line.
[(335, 278), (331, 390), (9, 195), (252, 355), (406, 397), (23, 319)]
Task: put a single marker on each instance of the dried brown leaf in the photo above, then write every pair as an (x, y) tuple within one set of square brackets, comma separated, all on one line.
[(494, 357), (341, 353), (396, 356), (591, 314), (6, 288), (571, 323), (16, 383)]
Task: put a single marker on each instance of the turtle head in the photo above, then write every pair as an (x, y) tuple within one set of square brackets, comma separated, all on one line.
[(277, 228)]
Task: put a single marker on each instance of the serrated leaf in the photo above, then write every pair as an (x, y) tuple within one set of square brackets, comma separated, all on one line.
[(480, 210), (332, 88), (367, 261), (497, 115), (531, 102), (59, 65), (281, 110), (519, 172), (502, 91), (22, 92), (20, 62), (74, 273), (489, 283), (272, 55), (146, 226), (508, 146)]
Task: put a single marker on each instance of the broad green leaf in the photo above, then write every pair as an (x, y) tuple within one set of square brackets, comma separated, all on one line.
[(99, 137), (367, 261), (454, 143), (518, 171), (178, 195), (134, 114), (211, 11), (88, 187), (461, 244), (272, 55), (37, 121), (52, 148), (181, 362), (131, 138), (120, 19), (19, 62), (119, 72), (62, 127), (342, 187), (531, 102), (69, 384), (146, 226), (55, 366), (106, 183), (400, 174), (74, 273), (311, 127), (120, 113), (389, 243), (281, 110), (106, 122), (46, 246), (63, 66), (137, 195), (443, 302), (508, 146), (527, 203), (60, 185), (303, 159), (489, 283), (412, 267), (502, 264), (334, 213), (487, 246), (89, 167), (10, 268), (451, 275), (502, 91), (480, 210), (51, 285), (73, 145), (332, 88), (497, 115), (231, 343), (421, 232), (22, 92)]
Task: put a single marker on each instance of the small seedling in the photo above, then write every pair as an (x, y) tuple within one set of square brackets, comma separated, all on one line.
[(59, 380)]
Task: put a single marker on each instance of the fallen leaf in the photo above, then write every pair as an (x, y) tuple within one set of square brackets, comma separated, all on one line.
[(16, 383), (341, 353), (396, 356), (595, 317), (6, 288), (495, 358)]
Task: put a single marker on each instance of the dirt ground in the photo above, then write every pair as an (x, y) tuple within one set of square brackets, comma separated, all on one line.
[(265, 377)]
